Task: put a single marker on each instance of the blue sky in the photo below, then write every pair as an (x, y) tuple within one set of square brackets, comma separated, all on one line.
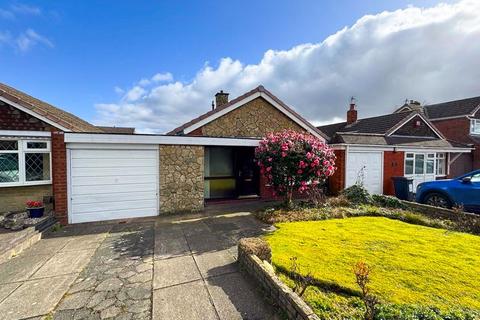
[(75, 53)]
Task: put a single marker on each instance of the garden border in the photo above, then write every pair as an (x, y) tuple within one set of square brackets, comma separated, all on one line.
[(262, 272), (441, 213)]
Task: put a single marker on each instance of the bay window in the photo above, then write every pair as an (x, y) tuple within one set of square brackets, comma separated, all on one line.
[(24, 162)]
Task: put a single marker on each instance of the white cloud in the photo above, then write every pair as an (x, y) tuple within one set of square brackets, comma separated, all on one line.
[(26, 9), (30, 38), (162, 77), (427, 54)]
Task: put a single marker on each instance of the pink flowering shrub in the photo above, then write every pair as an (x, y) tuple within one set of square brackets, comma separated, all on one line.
[(293, 161)]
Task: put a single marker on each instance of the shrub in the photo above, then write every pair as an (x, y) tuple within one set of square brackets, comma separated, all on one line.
[(293, 161), (256, 246), (387, 201), (362, 276), (340, 201), (357, 194)]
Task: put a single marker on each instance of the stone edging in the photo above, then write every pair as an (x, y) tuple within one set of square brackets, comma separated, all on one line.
[(442, 213), (280, 293)]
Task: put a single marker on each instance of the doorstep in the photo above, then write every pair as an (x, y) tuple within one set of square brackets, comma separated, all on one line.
[(14, 242)]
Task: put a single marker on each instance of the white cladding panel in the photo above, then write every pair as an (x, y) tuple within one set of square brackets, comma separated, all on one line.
[(365, 167), (109, 184)]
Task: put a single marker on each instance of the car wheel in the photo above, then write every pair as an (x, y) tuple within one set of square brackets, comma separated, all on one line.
[(437, 200)]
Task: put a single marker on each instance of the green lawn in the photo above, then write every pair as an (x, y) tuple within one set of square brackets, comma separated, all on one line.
[(412, 264)]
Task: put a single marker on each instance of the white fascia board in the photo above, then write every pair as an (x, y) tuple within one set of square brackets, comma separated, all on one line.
[(22, 133), (157, 139), (434, 149), (220, 113), (34, 114), (246, 100), (360, 147)]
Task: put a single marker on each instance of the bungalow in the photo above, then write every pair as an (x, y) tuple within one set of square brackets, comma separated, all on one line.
[(458, 121), (96, 173), (373, 150)]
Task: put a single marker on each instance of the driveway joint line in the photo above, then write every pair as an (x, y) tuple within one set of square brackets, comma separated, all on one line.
[(201, 275)]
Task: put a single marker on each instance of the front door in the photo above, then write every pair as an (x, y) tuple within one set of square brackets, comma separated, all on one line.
[(247, 173)]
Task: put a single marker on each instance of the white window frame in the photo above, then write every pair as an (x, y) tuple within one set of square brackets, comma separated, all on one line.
[(22, 150), (475, 126), (427, 156)]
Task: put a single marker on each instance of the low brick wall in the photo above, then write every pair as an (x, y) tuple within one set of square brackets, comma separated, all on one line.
[(442, 213), (14, 198), (262, 272)]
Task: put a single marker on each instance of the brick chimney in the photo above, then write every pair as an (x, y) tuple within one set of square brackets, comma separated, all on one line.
[(221, 98), (352, 113)]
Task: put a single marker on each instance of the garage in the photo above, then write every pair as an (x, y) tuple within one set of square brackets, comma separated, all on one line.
[(106, 184), (365, 167)]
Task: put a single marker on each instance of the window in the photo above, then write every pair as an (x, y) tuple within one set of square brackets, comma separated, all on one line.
[(430, 164), (475, 178), (419, 163), (441, 164), (475, 126), (409, 163), (24, 162), (425, 163)]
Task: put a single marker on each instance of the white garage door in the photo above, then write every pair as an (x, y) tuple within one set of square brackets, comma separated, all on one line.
[(112, 184), (367, 168)]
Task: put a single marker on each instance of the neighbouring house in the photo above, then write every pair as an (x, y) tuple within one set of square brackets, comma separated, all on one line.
[(101, 173), (458, 121), (373, 150)]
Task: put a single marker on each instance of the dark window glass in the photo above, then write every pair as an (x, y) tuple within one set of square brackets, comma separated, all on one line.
[(8, 145), (37, 166), (9, 167), (36, 145)]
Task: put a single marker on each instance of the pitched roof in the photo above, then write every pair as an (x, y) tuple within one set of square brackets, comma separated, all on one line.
[(124, 130), (457, 108), (55, 115), (349, 138), (374, 125), (377, 130), (259, 89)]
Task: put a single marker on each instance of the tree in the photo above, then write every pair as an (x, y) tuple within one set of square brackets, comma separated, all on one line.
[(293, 161)]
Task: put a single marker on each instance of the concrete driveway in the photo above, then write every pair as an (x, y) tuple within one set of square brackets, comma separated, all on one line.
[(164, 268)]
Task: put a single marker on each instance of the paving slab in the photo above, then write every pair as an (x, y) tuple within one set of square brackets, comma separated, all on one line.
[(205, 242), (47, 246), (84, 242), (174, 271), (173, 247), (64, 263), (35, 298), (236, 298), (21, 267), (216, 263), (189, 301), (6, 289)]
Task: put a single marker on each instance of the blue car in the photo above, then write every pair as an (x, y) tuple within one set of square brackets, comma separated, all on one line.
[(461, 191)]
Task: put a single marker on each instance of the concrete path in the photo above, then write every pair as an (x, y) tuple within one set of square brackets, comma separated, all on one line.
[(164, 268)]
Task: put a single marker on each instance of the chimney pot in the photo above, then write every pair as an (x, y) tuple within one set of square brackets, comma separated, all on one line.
[(221, 98)]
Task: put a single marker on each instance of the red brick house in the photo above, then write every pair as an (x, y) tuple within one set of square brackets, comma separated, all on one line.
[(373, 150), (458, 121)]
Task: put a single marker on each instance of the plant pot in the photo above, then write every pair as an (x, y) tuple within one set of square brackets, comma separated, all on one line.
[(35, 212)]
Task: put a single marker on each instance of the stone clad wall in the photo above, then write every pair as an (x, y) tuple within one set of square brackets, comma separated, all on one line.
[(254, 119), (181, 178)]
